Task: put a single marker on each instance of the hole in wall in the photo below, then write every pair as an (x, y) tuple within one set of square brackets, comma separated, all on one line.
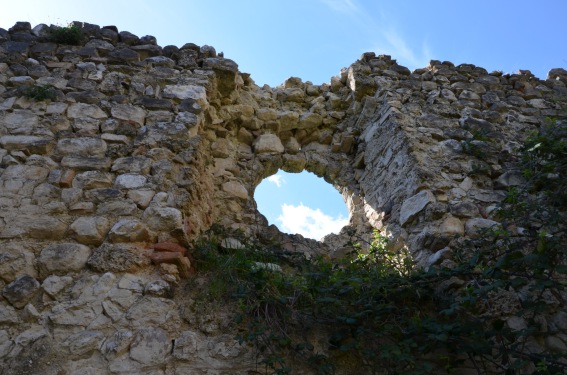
[(301, 203)]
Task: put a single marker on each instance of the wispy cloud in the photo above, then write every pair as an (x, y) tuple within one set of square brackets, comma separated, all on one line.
[(310, 223), (395, 45), (342, 6), (276, 179)]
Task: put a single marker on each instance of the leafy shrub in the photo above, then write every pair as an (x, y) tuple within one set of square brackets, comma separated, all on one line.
[(40, 93), (382, 315), (70, 35)]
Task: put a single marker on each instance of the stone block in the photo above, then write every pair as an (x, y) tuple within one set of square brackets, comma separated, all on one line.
[(90, 230), (414, 205), (62, 258), (117, 258), (21, 291), (268, 143)]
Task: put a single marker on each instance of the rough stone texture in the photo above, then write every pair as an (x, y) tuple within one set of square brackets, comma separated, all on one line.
[(103, 189)]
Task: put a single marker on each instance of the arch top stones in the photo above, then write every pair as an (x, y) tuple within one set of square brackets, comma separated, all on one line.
[(139, 148)]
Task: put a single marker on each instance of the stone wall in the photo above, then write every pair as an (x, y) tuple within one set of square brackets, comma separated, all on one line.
[(140, 148)]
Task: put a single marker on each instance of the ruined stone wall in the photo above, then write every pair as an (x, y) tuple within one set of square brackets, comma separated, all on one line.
[(140, 148)]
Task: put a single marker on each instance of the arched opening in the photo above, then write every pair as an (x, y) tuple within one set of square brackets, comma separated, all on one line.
[(301, 203)]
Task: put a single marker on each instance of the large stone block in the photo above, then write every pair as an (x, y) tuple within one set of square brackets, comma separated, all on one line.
[(414, 205), (90, 230), (62, 258)]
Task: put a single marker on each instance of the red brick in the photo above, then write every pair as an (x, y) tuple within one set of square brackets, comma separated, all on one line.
[(182, 263), (170, 247), (67, 177)]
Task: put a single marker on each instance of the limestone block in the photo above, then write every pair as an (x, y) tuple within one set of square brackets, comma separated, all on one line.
[(118, 208), (141, 198), (452, 226), (128, 230), (32, 144), (236, 189), (268, 143), (508, 179), (117, 258), (288, 120), (22, 81), (266, 114), (294, 163), (8, 315), (5, 343), (163, 218), (130, 181), (158, 288), (79, 110), (62, 258), (197, 93), (310, 120), (92, 180), (85, 163), (117, 344), (74, 313), (414, 205), (84, 146), (83, 343), (16, 260), (186, 345), (152, 311), (57, 82), (40, 227), (474, 227), (128, 112), (90, 230), (19, 122), (464, 209), (132, 164), (150, 346), (21, 291), (53, 285)]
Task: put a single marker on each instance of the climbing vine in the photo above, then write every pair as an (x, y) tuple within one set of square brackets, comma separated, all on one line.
[(379, 314)]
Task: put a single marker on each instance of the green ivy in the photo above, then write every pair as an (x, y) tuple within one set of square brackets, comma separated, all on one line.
[(70, 35), (383, 315)]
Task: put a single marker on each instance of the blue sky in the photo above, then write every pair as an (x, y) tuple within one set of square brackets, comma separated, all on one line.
[(314, 39)]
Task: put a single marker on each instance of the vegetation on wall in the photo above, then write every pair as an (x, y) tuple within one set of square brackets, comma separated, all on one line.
[(70, 35), (382, 315)]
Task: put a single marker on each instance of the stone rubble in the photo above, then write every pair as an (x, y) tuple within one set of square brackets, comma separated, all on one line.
[(142, 148)]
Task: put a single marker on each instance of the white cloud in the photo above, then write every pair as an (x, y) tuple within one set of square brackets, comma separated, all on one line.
[(396, 46), (343, 6), (276, 179), (308, 222)]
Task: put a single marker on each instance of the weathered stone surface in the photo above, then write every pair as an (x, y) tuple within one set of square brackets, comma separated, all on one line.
[(196, 93), (163, 218), (16, 260), (53, 285), (186, 345), (150, 346), (130, 181), (93, 147), (32, 144), (235, 189), (477, 226), (129, 112), (21, 291), (414, 205), (90, 230), (63, 258), (129, 230), (268, 143), (117, 258), (79, 110), (452, 226)]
